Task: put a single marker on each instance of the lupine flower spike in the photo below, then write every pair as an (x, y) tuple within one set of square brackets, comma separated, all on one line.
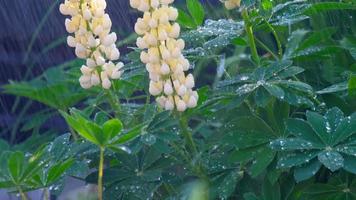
[(232, 4), (162, 54), (90, 28)]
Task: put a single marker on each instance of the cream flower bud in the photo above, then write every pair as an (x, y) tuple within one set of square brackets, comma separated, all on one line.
[(109, 39), (161, 101), (189, 81), (85, 70), (106, 84), (155, 88), (169, 104), (70, 27), (153, 23), (144, 6), (141, 43), (80, 51), (100, 60), (168, 89), (87, 14), (231, 4), (144, 57), (182, 90), (135, 3), (151, 40), (172, 14), (95, 80), (115, 54), (175, 31), (162, 34), (98, 30), (181, 106), (90, 63), (92, 41), (154, 3), (192, 102), (71, 41), (166, 2), (165, 69)]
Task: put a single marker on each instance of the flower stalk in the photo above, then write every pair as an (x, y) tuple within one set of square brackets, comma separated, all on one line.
[(22, 194), (101, 174), (183, 124), (250, 36)]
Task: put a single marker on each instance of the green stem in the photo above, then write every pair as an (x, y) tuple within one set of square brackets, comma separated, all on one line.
[(250, 36), (22, 194), (114, 103), (260, 43), (183, 124), (275, 35), (101, 173), (46, 194)]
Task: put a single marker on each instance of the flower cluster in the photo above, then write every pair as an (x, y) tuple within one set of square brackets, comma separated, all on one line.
[(232, 4), (92, 40), (162, 54)]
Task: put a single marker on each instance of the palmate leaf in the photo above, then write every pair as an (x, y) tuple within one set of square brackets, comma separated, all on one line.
[(293, 12), (325, 137), (211, 36), (271, 79), (107, 134), (51, 88), (251, 136), (339, 187)]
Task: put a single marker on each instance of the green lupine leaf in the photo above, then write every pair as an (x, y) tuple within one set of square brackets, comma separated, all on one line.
[(78, 125), (56, 171), (290, 71), (339, 87), (129, 135), (319, 125), (302, 129), (350, 163), (331, 159), (196, 10), (185, 20), (245, 89), (250, 196), (16, 164), (307, 170), (111, 129), (291, 144), (274, 90), (275, 68), (352, 84), (295, 159), (327, 6), (334, 117), (262, 97), (261, 162), (296, 85), (345, 129), (294, 41), (271, 191)]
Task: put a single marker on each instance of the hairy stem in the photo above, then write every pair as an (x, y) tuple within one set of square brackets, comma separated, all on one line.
[(250, 36), (100, 175), (22, 194), (114, 103), (183, 123), (46, 194)]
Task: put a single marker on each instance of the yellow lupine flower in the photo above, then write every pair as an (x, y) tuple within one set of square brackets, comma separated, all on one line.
[(162, 54), (92, 40)]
